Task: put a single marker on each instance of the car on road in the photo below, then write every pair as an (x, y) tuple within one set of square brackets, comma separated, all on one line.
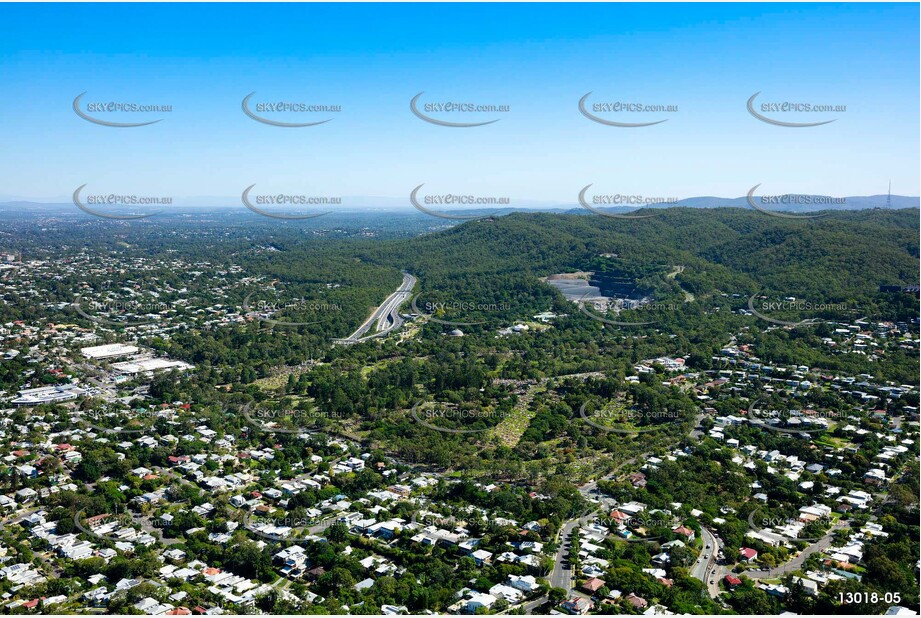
[(712, 581)]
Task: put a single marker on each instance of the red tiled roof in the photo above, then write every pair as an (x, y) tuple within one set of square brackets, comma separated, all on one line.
[(748, 552), (636, 601)]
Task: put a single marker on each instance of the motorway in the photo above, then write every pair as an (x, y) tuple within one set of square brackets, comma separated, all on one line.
[(706, 569), (386, 317)]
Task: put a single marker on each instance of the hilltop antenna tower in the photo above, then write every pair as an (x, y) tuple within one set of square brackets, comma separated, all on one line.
[(889, 197)]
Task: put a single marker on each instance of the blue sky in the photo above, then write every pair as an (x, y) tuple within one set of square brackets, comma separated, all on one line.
[(538, 59)]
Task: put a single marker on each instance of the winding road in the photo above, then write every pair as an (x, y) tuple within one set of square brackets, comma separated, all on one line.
[(386, 317), (705, 568)]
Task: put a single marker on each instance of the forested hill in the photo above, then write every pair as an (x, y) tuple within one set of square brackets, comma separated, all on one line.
[(850, 253)]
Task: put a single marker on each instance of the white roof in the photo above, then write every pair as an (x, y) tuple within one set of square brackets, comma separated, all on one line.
[(109, 350)]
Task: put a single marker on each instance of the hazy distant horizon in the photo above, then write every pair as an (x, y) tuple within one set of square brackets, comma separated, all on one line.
[(392, 203), (369, 61)]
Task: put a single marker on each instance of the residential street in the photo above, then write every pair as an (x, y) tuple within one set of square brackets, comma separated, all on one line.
[(797, 562)]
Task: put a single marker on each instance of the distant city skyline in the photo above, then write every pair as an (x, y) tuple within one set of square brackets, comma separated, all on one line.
[(700, 64)]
